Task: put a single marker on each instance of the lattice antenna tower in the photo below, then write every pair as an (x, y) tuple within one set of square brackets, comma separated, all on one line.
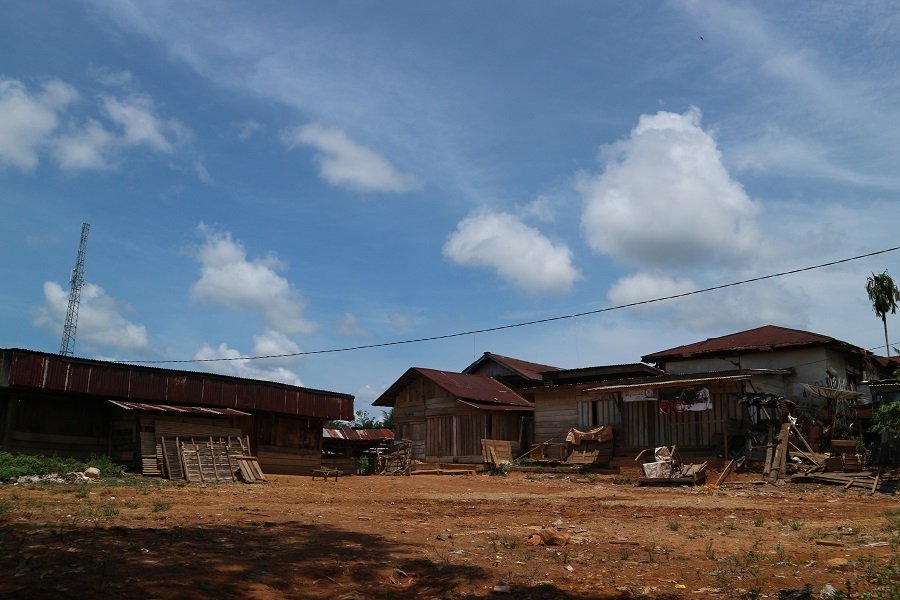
[(67, 345)]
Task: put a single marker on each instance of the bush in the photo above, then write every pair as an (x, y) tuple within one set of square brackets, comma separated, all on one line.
[(16, 465)]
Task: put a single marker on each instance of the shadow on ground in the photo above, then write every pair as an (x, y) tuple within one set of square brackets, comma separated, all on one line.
[(257, 560)]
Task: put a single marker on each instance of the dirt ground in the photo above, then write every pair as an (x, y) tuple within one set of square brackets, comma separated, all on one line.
[(441, 536)]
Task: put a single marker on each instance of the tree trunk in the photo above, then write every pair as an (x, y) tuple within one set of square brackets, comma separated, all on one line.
[(887, 345)]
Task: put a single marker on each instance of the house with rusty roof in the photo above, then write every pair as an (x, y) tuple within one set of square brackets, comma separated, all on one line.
[(446, 415), (514, 372), (707, 395), (53, 404)]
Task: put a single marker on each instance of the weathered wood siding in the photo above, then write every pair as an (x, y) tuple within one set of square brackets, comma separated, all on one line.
[(555, 412), (442, 429)]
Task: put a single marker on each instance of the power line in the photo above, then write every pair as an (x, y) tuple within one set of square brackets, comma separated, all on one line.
[(527, 323)]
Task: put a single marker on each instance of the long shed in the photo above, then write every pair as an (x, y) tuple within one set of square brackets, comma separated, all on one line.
[(52, 404)]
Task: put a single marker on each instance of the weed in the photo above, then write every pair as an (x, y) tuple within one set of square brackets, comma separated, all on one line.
[(109, 510), (780, 553), (159, 506), (131, 503), (795, 524), (81, 491), (6, 506), (622, 479), (758, 521), (710, 553), (672, 525)]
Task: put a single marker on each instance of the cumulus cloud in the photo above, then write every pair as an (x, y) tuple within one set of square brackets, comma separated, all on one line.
[(88, 148), (645, 286), (229, 279), (27, 120), (520, 254), (141, 126), (345, 163), (665, 198), (100, 320), (45, 122), (240, 366)]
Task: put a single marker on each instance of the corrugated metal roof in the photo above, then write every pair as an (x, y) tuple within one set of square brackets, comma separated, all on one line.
[(761, 339), (496, 407), (28, 369), (477, 388), (527, 369), (357, 435), (189, 410)]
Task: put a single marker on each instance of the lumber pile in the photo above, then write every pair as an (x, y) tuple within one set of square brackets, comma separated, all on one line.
[(208, 460)]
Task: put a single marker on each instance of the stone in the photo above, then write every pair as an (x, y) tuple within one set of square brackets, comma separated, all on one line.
[(92, 472)]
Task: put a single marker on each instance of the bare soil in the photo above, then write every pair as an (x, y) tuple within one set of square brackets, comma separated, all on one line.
[(434, 536)]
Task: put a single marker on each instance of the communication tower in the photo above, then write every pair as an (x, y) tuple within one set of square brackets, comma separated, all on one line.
[(67, 345)]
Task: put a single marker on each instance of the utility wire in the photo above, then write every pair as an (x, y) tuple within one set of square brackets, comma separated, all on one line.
[(527, 323)]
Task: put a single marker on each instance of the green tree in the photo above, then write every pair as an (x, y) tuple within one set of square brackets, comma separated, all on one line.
[(884, 295)]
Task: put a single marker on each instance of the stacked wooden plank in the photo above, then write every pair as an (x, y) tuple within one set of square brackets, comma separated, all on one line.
[(496, 452), (210, 459), (150, 463)]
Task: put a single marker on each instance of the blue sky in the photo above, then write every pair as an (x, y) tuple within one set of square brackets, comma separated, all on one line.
[(274, 178)]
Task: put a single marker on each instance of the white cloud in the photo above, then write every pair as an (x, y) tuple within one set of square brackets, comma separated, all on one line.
[(229, 279), (28, 120), (100, 321), (140, 124), (665, 199), (644, 286), (343, 162), (520, 254), (239, 366), (275, 343), (88, 148), (349, 325)]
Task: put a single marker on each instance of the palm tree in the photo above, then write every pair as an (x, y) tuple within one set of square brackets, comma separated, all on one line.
[(884, 296)]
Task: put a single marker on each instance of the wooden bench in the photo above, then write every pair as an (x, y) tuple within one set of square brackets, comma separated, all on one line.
[(325, 473)]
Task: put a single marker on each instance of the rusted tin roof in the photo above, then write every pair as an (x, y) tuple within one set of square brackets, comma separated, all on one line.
[(528, 370), (28, 369), (184, 410), (761, 339), (357, 435), (476, 388)]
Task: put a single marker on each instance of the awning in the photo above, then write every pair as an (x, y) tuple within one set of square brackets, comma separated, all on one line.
[(182, 410), (831, 393), (495, 407), (645, 385)]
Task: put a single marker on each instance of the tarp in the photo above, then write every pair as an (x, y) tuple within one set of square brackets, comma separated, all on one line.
[(604, 433), (831, 393)]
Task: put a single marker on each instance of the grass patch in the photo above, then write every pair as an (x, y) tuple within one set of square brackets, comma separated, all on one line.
[(6, 506), (17, 465), (160, 506)]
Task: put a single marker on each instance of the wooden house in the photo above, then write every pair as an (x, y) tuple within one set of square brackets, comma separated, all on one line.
[(52, 404), (520, 375), (446, 414)]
